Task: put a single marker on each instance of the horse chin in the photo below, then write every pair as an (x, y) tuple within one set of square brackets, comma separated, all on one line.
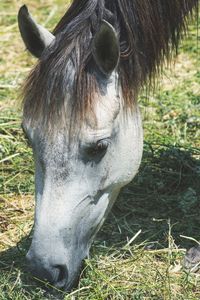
[(73, 282)]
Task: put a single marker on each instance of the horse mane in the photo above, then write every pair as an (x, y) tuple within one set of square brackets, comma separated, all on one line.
[(149, 34)]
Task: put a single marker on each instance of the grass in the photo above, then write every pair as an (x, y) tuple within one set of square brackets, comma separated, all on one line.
[(139, 251)]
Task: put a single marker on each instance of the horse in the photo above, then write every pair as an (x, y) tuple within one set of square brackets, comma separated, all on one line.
[(81, 117)]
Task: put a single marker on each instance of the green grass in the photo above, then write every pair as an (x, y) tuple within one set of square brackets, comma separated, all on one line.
[(158, 208)]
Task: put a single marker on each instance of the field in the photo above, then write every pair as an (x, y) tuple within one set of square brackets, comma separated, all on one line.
[(138, 253)]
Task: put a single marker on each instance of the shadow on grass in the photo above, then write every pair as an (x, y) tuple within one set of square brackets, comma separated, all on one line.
[(166, 188), (15, 280), (165, 195)]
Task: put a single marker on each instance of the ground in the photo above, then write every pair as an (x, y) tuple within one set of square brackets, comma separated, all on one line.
[(139, 251)]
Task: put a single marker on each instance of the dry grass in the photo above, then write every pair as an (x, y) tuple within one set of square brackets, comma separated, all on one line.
[(123, 265)]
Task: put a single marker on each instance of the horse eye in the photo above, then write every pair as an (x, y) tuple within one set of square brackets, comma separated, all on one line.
[(98, 150), (102, 145)]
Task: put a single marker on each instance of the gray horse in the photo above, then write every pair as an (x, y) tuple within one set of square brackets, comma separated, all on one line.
[(82, 119)]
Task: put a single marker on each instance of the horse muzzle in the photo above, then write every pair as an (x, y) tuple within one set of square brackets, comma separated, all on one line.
[(51, 269)]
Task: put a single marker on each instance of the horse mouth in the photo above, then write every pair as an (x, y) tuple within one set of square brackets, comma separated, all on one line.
[(58, 278)]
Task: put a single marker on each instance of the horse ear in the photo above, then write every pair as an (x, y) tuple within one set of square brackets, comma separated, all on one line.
[(35, 37), (105, 48)]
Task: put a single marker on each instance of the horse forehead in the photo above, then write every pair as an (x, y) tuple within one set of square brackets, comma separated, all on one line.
[(106, 109), (93, 128)]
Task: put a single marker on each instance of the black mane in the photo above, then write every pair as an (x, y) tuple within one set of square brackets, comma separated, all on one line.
[(149, 32)]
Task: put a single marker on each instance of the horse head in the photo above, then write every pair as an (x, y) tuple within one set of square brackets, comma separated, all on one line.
[(79, 171)]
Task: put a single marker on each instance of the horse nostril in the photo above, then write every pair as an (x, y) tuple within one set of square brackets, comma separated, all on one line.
[(62, 277), (55, 274)]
